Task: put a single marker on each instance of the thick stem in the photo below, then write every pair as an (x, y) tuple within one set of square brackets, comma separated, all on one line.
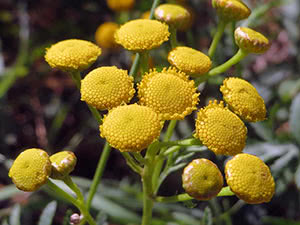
[(225, 66), (173, 37), (220, 30)]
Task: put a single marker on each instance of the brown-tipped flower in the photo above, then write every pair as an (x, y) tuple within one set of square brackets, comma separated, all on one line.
[(130, 128), (189, 60), (63, 163), (31, 169), (243, 99), (251, 41), (231, 10), (107, 87), (104, 35), (220, 130), (202, 179), (171, 14), (250, 178), (72, 54), (120, 5), (169, 93), (142, 34)]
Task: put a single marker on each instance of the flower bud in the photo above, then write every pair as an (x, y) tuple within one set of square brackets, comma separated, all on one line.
[(63, 163)]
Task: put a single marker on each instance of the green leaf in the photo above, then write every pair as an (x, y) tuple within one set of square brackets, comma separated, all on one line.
[(4, 222), (15, 215), (297, 177), (207, 217), (279, 221), (48, 214), (101, 218), (8, 192), (295, 118)]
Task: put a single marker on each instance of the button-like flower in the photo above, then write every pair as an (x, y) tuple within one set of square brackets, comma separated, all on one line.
[(31, 169), (120, 5), (107, 87), (243, 99), (231, 10), (72, 54), (189, 60), (130, 128), (142, 34), (104, 35), (251, 41), (202, 179), (171, 14), (63, 163), (170, 93), (220, 130), (250, 178)]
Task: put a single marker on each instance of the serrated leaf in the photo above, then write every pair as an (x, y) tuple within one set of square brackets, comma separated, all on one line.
[(207, 217), (294, 120), (48, 214), (15, 215)]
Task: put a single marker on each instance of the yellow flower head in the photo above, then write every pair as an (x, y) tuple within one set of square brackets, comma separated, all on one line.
[(251, 41), (31, 169), (220, 130), (172, 14), (202, 179), (170, 93), (189, 60), (120, 5), (250, 178), (63, 163), (231, 10), (243, 99), (104, 35), (72, 54), (107, 87), (130, 128), (142, 34)]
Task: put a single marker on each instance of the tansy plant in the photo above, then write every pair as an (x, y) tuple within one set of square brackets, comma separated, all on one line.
[(134, 126)]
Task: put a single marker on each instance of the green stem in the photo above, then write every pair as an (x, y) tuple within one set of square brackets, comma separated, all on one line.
[(220, 30), (183, 143), (185, 197), (232, 61), (76, 78), (68, 181), (131, 163), (96, 114), (173, 37), (98, 174), (144, 65), (79, 204), (139, 157)]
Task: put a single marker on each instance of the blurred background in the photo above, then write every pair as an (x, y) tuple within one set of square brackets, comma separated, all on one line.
[(40, 107)]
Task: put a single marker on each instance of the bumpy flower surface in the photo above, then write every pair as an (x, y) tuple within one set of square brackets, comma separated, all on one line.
[(243, 99), (63, 163), (202, 179), (104, 35), (189, 60), (231, 10), (107, 87), (142, 34), (174, 15), (251, 41), (250, 178), (72, 54), (120, 5), (31, 169), (220, 130), (130, 128), (170, 93)]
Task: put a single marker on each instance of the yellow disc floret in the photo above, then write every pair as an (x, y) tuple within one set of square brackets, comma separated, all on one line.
[(107, 87), (189, 60), (31, 169), (171, 14), (142, 34), (72, 54), (251, 41), (170, 93), (104, 35), (231, 10), (220, 130), (250, 178), (243, 99), (63, 163), (120, 5), (202, 179), (130, 128)]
